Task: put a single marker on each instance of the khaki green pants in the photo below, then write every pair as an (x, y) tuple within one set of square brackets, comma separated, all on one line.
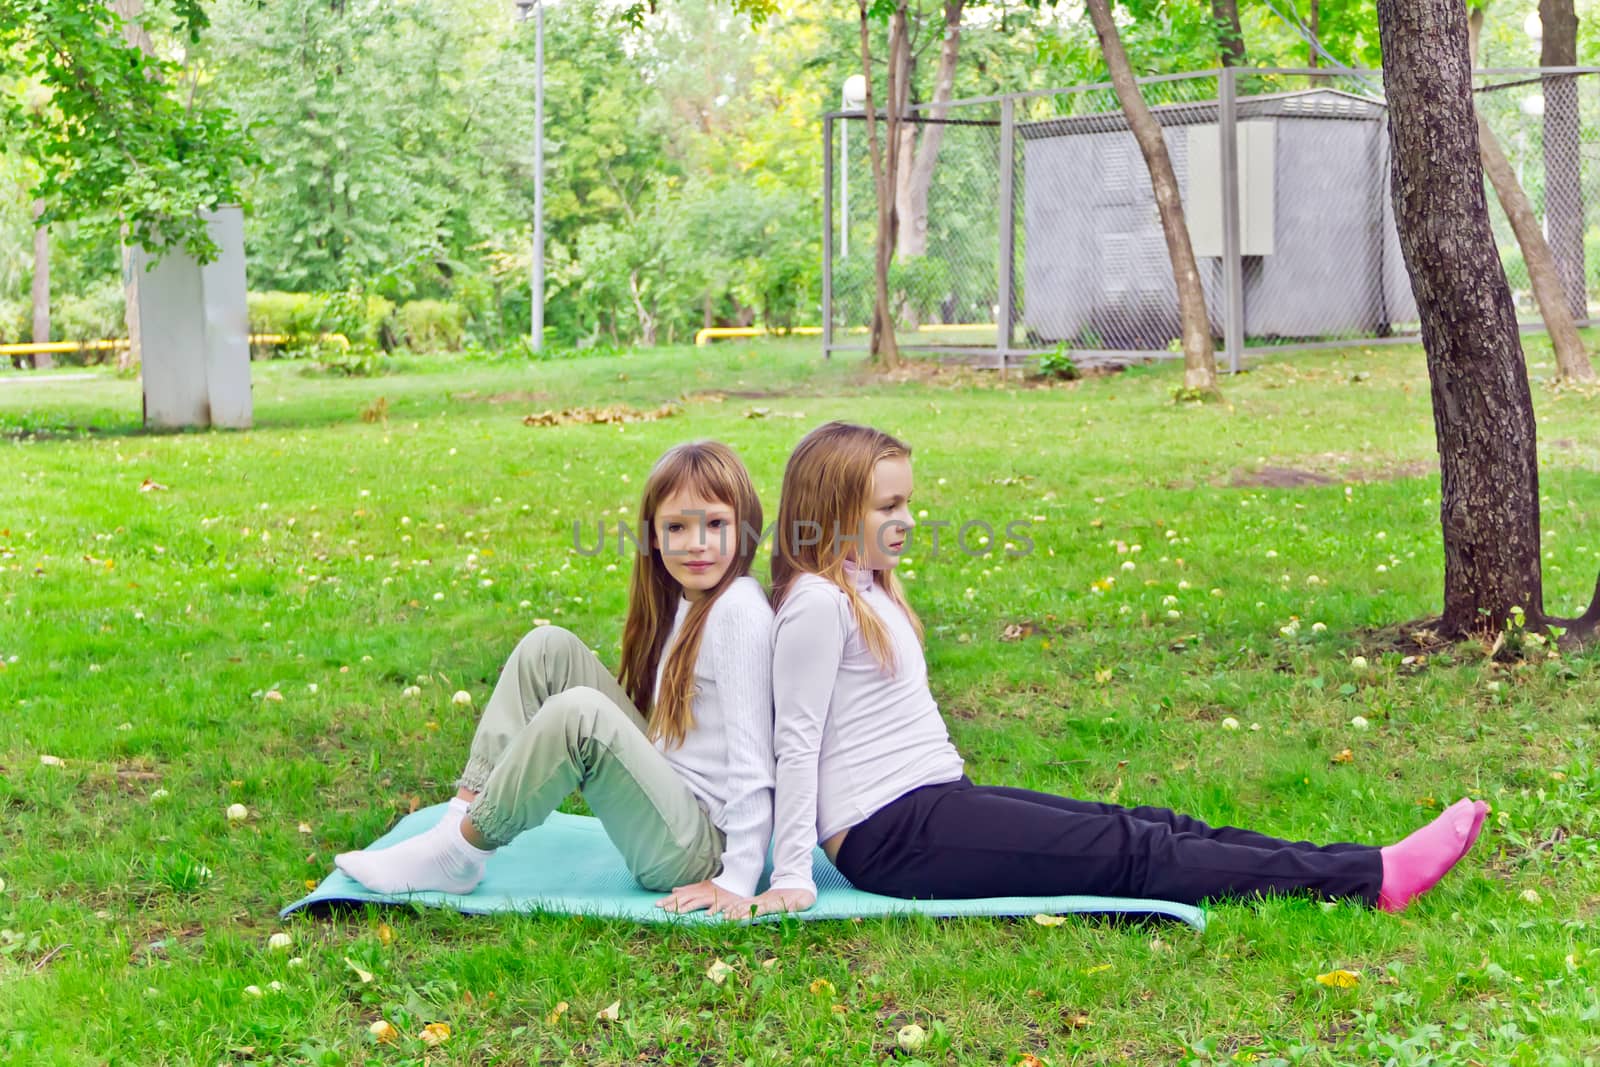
[(559, 721)]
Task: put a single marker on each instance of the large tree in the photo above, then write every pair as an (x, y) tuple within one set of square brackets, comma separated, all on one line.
[(1483, 410)]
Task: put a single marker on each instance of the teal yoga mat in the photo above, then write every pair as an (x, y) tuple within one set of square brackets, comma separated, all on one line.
[(568, 865)]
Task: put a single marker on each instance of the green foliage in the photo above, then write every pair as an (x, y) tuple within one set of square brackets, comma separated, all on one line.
[(429, 325), (364, 320), (1058, 363), (92, 314), (113, 142)]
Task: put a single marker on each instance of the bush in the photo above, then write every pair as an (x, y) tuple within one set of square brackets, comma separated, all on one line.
[(365, 321), (432, 325), (92, 315)]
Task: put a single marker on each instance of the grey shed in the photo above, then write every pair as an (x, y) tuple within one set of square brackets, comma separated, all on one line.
[(1321, 256)]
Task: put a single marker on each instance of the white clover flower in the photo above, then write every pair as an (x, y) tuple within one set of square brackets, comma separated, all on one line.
[(1359, 722), (1230, 723), (462, 698)]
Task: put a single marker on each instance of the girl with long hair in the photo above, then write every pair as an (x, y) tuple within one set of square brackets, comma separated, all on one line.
[(673, 755), (865, 765)]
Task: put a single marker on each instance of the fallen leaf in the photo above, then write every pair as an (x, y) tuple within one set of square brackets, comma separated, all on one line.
[(610, 1013), (718, 971), (1030, 1060), (822, 985), (434, 1034), (361, 973), (385, 933), (1344, 755), (1340, 979), (556, 1013), (384, 1031), (150, 485), (1049, 920)]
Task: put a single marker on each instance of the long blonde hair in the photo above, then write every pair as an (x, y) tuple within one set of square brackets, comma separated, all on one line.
[(825, 490), (709, 469)]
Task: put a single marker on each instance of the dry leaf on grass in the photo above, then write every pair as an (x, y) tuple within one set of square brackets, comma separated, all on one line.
[(718, 971), (556, 1013), (610, 1013), (615, 413), (1049, 920)]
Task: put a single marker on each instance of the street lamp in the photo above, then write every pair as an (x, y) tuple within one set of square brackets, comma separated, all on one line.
[(853, 95), (536, 281)]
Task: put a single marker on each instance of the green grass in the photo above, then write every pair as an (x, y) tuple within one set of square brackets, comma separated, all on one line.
[(141, 631)]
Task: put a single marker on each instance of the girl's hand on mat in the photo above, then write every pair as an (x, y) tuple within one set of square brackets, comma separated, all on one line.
[(773, 900), (707, 895)]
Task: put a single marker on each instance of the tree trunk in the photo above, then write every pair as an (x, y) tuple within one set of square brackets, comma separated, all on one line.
[(136, 36), (1572, 360), (1199, 359), (41, 288), (918, 178), (1313, 58), (884, 156), (1563, 187), (1482, 409), (1230, 35)]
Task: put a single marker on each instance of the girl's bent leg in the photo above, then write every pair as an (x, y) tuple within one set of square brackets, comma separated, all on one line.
[(547, 661), (968, 841), (1179, 823), (581, 739)]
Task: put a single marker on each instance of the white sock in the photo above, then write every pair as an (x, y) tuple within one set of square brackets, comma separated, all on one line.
[(439, 859), (455, 811)]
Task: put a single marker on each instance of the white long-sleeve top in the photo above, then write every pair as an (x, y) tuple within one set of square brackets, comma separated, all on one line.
[(726, 758), (849, 736)]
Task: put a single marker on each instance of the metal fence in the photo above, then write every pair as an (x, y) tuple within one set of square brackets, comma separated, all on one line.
[(1028, 225)]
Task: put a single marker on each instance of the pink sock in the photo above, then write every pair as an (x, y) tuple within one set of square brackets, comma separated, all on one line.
[(1411, 867)]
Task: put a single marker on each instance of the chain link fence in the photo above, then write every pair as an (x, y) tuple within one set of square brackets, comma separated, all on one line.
[(1028, 224)]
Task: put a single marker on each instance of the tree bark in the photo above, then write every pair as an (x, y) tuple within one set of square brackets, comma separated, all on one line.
[(1563, 186), (136, 36), (1482, 408), (1313, 59), (885, 157), (1572, 360), (1199, 358), (918, 175), (41, 288), (1230, 35)]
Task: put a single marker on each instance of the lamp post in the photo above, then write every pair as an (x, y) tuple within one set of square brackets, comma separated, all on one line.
[(536, 281), (853, 95)]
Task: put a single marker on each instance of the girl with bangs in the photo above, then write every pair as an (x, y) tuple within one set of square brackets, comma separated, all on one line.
[(673, 755), (865, 765)]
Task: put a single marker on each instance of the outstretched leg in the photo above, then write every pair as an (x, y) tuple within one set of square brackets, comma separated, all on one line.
[(961, 841)]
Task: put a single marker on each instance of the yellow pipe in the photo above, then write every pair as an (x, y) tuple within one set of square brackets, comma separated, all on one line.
[(37, 348), (716, 333)]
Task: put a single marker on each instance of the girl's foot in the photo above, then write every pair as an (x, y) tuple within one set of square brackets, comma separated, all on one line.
[(1413, 866), (438, 859)]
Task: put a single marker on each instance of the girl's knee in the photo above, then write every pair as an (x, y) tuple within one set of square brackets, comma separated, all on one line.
[(542, 643)]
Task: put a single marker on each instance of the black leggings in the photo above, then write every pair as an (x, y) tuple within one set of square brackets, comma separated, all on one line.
[(959, 840)]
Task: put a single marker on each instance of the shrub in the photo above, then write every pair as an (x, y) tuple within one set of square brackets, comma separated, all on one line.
[(431, 325)]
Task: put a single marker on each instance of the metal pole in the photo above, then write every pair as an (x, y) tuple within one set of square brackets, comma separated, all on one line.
[(1008, 225), (537, 282), (844, 189), (827, 236), (1232, 261)]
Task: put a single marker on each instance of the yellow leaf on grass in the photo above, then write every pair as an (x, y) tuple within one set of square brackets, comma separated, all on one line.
[(611, 1012), (556, 1013), (434, 1034), (1340, 979), (384, 1031), (385, 933), (1049, 920), (822, 985), (1343, 756), (718, 971), (361, 973)]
